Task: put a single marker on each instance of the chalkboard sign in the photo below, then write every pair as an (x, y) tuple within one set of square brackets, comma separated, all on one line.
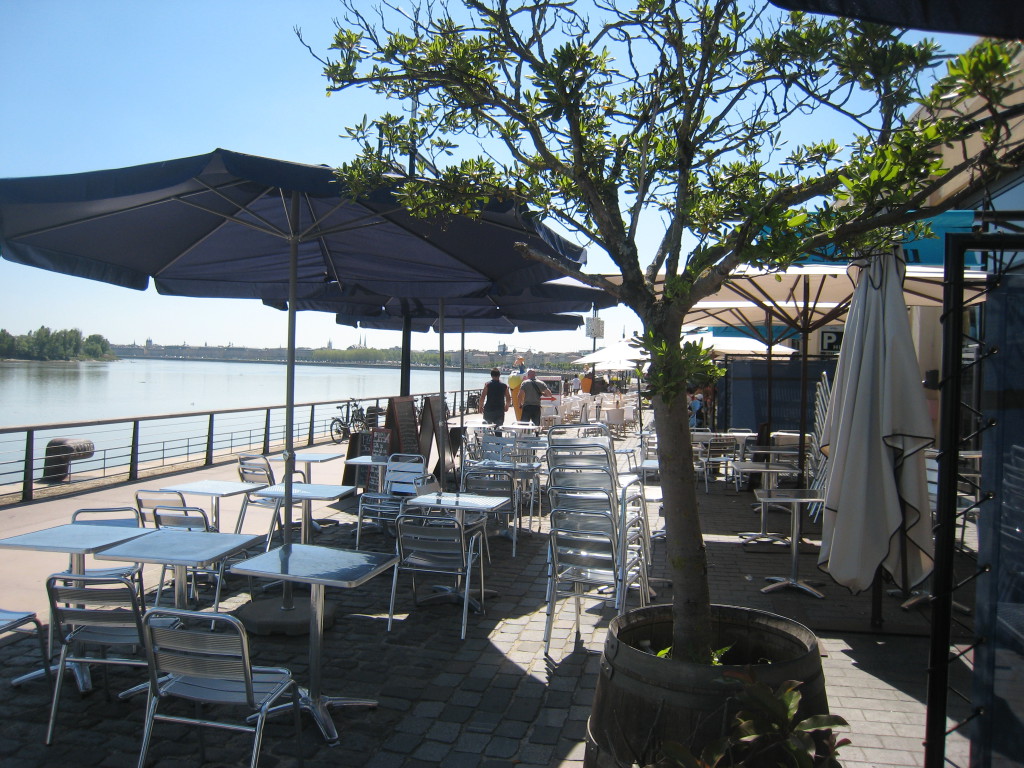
[(434, 444), (401, 420), (380, 446)]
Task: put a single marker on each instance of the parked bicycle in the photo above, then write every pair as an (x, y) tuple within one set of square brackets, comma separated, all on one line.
[(352, 418)]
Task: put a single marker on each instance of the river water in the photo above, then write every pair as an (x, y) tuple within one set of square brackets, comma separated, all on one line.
[(40, 393)]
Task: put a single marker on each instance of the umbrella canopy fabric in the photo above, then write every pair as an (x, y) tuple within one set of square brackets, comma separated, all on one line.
[(735, 345), (620, 356), (989, 18), (222, 225), (877, 509), (497, 323)]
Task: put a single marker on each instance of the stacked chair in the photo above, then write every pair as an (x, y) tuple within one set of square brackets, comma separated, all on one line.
[(599, 540)]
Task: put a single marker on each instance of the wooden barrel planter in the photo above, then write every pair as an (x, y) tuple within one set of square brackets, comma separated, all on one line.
[(642, 701)]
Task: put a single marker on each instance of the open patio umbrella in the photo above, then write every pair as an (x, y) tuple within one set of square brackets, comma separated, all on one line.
[(230, 225), (875, 433)]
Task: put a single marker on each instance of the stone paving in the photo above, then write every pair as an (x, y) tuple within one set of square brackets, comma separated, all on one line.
[(493, 699)]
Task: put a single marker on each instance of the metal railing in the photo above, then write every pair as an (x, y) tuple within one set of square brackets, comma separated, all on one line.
[(125, 449)]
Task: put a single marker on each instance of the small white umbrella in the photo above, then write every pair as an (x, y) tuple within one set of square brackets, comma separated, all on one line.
[(736, 345), (620, 356), (875, 433)]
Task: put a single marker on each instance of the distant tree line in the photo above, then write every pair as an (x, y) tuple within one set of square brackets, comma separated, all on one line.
[(44, 344)]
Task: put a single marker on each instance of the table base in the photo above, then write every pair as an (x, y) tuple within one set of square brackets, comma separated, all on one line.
[(83, 678), (319, 709), (443, 594), (789, 581)]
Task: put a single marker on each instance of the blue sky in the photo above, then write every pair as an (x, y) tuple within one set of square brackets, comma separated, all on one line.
[(113, 83)]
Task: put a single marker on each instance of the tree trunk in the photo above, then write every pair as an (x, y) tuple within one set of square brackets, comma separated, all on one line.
[(687, 558)]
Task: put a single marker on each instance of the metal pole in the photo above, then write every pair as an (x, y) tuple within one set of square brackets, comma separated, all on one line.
[(287, 603), (803, 381), (405, 374), (945, 528)]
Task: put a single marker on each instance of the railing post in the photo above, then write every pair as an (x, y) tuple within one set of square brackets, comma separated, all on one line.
[(312, 415), (209, 442), (28, 469), (133, 461), (266, 433)]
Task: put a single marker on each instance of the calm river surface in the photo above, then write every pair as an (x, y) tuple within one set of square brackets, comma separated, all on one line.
[(39, 393)]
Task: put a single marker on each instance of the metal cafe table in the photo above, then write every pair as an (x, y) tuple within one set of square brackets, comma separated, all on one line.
[(181, 550), (796, 498), (309, 458), (78, 540), (215, 489), (307, 493), (319, 567)]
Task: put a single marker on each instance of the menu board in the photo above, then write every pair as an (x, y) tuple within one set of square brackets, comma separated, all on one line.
[(401, 420), (434, 444)]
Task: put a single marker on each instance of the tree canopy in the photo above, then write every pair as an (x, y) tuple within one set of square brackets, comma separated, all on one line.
[(44, 344), (703, 120)]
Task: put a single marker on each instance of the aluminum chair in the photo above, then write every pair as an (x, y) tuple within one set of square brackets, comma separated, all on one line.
[(498, 483), (210, 668), (442, 545), (716, 457), (128, 517), (256, 469), (400, 477), (585, 561), (22, 623), (93, 620)]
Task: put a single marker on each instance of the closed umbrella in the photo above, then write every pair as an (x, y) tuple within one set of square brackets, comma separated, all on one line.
[(875, 433)]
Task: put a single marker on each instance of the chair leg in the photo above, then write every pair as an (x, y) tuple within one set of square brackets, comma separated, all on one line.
[(55, 701), (394, 589), (147, 731)]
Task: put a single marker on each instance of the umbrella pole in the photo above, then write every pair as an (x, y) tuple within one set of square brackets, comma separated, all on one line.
[(771, 383), (803, 385), (405, 374), (287, 602)]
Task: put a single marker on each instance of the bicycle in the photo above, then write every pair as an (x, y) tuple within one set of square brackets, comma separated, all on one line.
[(351, 419)]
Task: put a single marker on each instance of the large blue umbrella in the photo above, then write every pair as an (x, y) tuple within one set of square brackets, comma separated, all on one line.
[(230, 225)]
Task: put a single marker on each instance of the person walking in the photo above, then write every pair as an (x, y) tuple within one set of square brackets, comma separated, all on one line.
[(496, 399), (530, 393), (574, 385)]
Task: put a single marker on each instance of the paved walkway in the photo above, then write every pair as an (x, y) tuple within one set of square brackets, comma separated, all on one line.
[(491, 700)]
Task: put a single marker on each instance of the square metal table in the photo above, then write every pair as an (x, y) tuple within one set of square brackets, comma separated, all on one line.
[(215, 489), (319, 567), (181, 550), (308, 493), (795, 497), (309, 458), (78, 540)]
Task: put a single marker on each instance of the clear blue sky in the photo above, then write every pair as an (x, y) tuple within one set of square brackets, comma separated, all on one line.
[(114, 83)]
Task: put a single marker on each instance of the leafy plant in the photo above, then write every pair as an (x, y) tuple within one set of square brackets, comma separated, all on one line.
[(766, 731)]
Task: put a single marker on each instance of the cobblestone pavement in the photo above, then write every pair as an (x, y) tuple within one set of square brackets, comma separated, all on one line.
[(493, 699)]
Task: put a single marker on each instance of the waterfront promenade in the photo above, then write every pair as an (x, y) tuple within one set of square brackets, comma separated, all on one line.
[(491, 700)]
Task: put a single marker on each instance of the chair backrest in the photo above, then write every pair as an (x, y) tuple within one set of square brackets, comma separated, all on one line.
[(433, 543), (183, 518), (146, 500), (401, 473), (255, 470), (254, 460), (128, 517), (426, 484), (79, 602), (496, 447), (489, 482), (720, 447), (189, 648)]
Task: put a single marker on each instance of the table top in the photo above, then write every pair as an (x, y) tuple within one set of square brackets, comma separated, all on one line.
[(168, 546), (74, 538), (309, 457), (472, 502), (214, 487), (368, 461), (789, 495), (312, 564), (528, 466), (764, 466), (309, 491)]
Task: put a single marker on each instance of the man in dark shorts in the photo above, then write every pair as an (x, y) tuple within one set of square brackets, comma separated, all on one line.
[(529, 397), (496, 399)]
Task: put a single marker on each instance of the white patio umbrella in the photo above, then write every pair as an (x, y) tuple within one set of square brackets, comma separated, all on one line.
[(735, 345), (875, 433)]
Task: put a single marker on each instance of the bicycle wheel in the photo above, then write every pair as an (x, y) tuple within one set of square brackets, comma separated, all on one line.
[(358, 425), (339, 431)]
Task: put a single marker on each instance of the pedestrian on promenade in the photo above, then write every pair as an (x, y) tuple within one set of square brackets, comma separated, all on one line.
[(574, 385), (496, 399), (530, 394)]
